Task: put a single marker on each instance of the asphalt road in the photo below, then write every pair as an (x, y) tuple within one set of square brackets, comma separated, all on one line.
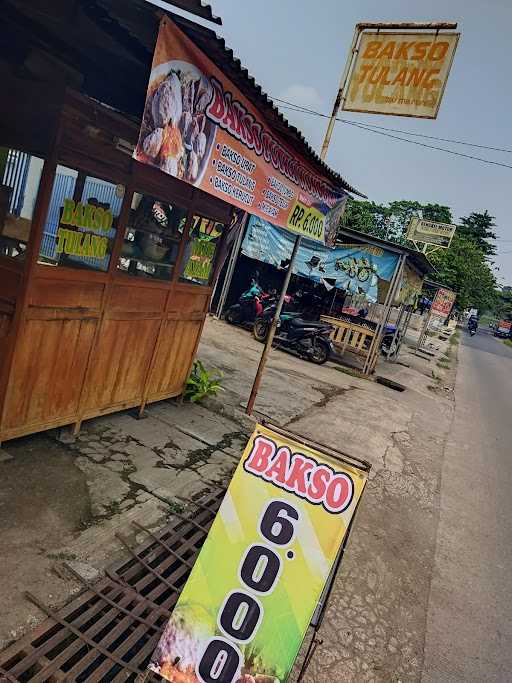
[(469, 623)]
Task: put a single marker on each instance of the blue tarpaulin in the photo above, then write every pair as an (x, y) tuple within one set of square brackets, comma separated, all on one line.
[(353, 267)]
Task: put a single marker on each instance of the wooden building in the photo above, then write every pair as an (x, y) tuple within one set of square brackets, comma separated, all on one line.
[(95, 322)]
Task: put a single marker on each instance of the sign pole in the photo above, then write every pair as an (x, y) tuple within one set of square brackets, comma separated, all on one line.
[(341, 89), (272, 331), (273, 327)]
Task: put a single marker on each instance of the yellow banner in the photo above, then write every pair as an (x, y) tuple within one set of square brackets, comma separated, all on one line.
[(251, 594), (403, 74)]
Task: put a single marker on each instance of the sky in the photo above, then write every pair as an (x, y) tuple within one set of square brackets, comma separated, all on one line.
[(296, 50)]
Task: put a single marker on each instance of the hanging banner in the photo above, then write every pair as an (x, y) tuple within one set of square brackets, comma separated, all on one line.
[(429, 232), (443, 303), (253, 589), (403, 74), (198, 127), (355, 268)]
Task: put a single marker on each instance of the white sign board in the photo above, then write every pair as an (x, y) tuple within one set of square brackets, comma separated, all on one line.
[(429, 232)]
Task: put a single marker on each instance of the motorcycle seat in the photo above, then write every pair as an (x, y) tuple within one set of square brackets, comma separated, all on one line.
[(299, 322)]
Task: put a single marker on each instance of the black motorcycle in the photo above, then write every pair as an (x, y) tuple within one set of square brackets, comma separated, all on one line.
[(309, 339)]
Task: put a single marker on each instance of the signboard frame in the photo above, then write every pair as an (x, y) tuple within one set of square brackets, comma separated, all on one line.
[(415, 238), (406, 33), (304, 540)]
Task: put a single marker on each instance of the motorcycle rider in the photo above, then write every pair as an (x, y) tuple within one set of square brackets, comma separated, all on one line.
[(472, 323)]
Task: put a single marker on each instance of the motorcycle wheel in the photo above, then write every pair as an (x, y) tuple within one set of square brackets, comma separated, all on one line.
[(321, 352), (233, 315), (260, 330)]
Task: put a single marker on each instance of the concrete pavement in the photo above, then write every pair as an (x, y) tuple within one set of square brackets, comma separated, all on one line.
[(123, 469)]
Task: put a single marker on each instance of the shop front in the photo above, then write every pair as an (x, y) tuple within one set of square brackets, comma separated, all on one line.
[(106, 269), (111, 227)]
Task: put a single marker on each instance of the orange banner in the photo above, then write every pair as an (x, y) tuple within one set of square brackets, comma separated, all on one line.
[(198, 127)]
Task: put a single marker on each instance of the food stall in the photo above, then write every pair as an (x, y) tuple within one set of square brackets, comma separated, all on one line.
[(107, 263)]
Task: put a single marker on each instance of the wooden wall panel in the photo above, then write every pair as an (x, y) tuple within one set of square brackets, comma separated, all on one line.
[(47, 293), (49, 353), (120, 363), (188, 301), (141, 300), (173, 358)]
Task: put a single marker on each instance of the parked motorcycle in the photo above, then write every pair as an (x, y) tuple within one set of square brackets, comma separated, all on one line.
[(250, 305), (309, 339), (390, 344)]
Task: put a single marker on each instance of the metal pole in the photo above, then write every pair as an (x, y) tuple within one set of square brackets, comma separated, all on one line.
[(397, 330), (333, 299), (374, 346), (341, 94), (233, 258), (272, 331)]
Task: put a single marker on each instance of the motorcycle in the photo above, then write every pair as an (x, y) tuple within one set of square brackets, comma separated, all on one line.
[(390, 344), (472, 327), (250, 305), (309, 339)]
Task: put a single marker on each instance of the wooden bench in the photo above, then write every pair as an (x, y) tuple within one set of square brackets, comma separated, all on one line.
[(351, 335)]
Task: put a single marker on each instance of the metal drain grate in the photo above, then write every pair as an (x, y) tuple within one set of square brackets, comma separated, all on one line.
[(108, 633)]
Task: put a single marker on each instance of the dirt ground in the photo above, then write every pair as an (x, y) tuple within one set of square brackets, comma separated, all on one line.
[(121, 469)]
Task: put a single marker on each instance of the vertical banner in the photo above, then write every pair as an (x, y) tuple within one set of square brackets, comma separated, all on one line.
[(249, 599), (443, 303), (199, 127)]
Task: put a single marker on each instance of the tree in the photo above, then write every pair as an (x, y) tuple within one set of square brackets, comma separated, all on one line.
[(391, 222), (464, 268), (503, 307), (478, 227), (367, 217)]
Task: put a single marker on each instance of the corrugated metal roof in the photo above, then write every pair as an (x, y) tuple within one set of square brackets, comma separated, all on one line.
[(197, 7)]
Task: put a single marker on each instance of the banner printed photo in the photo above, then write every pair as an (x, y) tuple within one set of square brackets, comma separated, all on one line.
[(250, 597), (198, 127), (356, 268)]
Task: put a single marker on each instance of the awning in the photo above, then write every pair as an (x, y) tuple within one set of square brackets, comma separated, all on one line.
[(355, 268)]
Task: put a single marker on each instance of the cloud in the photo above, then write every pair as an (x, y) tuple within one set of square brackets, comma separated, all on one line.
[(303, 95)]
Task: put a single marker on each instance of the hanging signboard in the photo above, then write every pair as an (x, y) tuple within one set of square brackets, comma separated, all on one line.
[(443, 303), (402, 74), (198, 127), (429, 232), (250, 597)]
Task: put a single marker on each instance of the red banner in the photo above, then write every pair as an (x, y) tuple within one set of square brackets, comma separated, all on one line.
[(443, 302), (198, 127)]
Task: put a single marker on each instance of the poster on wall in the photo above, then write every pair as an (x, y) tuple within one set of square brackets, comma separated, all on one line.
[(198, 127), (402, 74), (254, 587)]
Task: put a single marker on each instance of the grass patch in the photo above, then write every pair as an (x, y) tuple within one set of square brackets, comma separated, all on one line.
[(443, 365), (508, 342)]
